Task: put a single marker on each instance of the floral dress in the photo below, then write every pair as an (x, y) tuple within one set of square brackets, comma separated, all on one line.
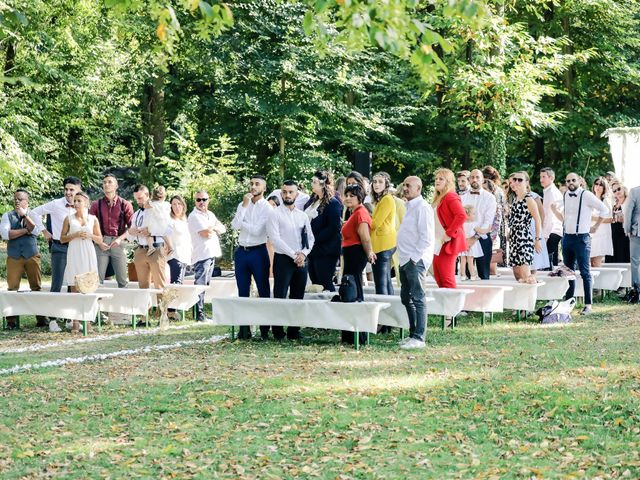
[(520, 241)]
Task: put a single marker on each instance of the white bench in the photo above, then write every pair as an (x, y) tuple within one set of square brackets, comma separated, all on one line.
[(394, 316), (72, 306), (221, 287), (128, 301), (354, 317), (626, 274), (610, 278), (447, 302)]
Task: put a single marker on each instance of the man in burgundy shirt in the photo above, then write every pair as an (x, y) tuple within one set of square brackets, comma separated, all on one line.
[(114, 214)]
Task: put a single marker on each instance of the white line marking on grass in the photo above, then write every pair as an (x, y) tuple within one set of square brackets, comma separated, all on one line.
[(98, 338), (106, 356)]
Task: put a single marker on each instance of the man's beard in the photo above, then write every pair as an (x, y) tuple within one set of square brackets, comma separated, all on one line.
[(288, 202), (573, 186), (475, 185)]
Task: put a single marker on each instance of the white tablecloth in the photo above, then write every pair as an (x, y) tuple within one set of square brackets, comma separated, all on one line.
[(446, 301), (362, 316), (221, 287), (519, 296), (626, 274), (187, 295), (128, 301), (394, 316), (484, 297), (72, 306), (610, 278)]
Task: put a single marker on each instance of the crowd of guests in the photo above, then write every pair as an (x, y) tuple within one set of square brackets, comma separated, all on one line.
[(474, 223)]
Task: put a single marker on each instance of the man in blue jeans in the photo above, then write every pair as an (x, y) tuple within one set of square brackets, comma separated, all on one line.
[(579, 206), (631, 227), (251, 258), (416, 238), (204, 228)]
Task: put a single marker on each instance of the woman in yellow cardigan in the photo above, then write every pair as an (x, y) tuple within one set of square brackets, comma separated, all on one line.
[(383, 232)]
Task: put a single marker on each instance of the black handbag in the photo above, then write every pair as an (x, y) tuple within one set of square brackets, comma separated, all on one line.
[(348, 290)]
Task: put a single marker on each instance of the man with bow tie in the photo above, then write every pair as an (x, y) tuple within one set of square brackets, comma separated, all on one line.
[(20, 231), (485, 206), (58, 210), (579, 207), (114, 215)]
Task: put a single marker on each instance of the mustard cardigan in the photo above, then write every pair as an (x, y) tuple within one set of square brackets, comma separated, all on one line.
[(383, 225)]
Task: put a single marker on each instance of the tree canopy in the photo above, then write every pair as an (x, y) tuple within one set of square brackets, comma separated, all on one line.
[(175, 91)]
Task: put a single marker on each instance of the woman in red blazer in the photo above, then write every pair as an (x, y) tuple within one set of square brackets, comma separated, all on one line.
[(450, 237)]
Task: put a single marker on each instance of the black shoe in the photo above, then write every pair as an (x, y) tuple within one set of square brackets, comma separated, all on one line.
[(244, 333), (141, 323)]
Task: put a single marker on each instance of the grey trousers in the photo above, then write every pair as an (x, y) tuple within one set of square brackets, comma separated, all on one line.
[(635, 260), (58, 265), (118, 258)]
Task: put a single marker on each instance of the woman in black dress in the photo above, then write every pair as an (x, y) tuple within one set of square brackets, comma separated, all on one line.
[(620, 240)]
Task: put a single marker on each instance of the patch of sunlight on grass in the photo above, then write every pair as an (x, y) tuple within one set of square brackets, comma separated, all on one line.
[(384, 383)]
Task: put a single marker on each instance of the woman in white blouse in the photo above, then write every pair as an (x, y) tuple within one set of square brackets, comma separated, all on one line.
[(601, 240), (180, 239)]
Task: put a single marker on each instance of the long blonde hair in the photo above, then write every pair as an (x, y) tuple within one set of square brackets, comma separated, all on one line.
[(449, 186)]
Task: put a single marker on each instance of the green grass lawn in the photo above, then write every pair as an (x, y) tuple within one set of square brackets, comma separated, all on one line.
[(507, 400)]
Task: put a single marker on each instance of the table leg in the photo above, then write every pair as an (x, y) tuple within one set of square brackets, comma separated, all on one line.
[(4, 323), (146, 320), (402, 333), (482, 320), (100, 321), (84, 328), (357, 339), (18, 322), (233, 333), (443, 322), (368, 339), (133, 321), (491, 317)]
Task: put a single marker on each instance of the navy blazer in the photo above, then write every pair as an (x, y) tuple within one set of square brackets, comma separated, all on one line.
[(326, 230)]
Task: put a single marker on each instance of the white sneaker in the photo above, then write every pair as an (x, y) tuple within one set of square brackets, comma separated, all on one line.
[(412, 344), (404, 340), (53, 326)]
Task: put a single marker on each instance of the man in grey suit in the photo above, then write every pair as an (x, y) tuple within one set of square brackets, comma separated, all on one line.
[(631, 227)]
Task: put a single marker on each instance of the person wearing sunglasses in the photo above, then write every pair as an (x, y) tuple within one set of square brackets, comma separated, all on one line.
[(631, 224), (580, 206), (621, 252), (601, 240), (204, 228), (523, 241)]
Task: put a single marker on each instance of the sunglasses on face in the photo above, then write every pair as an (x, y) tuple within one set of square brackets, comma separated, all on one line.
[(571, 180), (597, 184), (202, 199), (617, 190), (517, 179)]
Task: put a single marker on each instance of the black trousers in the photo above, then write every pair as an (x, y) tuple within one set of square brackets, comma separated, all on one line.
[(321, 271), (553, 243), (355, 260), (483, 263), (287, 276)]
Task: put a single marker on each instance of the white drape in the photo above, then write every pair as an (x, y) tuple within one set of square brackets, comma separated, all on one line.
[(625, 152)]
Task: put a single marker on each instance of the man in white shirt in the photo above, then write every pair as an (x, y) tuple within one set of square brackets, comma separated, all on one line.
[(204, 228), (579, 206), (462, 182), (416, 239), (552, 226), (148, 267), (251, 258), (57, 210), (301, 199), (289, 231), (485, 206)]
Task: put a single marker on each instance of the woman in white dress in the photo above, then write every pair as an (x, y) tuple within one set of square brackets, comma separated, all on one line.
[(180, 239), (81, 231), (601, 240)]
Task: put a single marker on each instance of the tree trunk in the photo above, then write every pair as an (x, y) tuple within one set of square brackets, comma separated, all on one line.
[(153, 119), (9, 60)]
